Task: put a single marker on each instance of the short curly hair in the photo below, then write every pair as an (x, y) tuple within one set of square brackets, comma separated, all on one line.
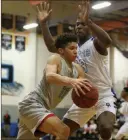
[(126, 89), (64, 39)]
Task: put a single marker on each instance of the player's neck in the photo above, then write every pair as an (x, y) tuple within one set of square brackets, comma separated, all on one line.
[(81, 41), (69, 63)]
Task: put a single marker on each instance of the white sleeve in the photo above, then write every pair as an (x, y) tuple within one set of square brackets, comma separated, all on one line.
[(124, 108)]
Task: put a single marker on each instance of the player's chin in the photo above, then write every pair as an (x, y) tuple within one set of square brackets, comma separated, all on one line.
[(73, 58), (126, 99), (79, 34)]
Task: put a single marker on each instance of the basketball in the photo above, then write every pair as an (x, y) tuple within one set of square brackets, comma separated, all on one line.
[(88, 100)]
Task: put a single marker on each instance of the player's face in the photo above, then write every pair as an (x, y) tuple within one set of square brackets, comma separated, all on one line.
[(70, 51), (81, 29), (125, 95)]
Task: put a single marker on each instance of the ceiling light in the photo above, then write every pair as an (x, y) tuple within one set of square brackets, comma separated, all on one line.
[(101, 5), (30, 26)]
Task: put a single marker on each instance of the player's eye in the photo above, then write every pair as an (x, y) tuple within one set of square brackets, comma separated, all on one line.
[(80, 23), (73, 47)]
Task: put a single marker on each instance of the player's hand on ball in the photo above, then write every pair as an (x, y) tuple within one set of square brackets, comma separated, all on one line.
[(79, 85), (44, 11)]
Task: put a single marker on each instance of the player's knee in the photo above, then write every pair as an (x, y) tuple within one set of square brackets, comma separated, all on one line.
[(105, 131)]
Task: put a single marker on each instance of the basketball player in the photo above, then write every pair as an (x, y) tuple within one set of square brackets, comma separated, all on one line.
[(123, 110), (124, 94), (92, 56), (60, 75)]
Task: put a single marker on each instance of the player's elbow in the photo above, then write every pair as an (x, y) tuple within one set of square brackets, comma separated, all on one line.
[(51, 48), (108, 41), (50, 77)]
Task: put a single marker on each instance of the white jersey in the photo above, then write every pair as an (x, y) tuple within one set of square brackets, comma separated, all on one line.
[(95, 66), (124, 110)]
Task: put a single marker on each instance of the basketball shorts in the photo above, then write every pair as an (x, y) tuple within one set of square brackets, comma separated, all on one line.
[(31, 115), (123, 131), (82, 115)]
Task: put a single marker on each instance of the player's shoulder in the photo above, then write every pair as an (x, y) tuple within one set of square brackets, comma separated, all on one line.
[(55, 57), (78, 67), (91, 39), (75, 64), (88, 43)]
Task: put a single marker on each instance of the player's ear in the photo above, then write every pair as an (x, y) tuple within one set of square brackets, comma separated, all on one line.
[(61, 51)]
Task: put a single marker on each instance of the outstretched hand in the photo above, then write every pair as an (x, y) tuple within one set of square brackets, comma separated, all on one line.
[(44, 11), (84, 10)]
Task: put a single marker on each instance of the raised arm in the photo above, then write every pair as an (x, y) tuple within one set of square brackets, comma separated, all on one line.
[(43, 15), (102, 39)]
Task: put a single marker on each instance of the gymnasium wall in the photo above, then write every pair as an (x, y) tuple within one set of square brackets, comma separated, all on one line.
[(23, 62), (120, 70), (41, 57), (118, 62)]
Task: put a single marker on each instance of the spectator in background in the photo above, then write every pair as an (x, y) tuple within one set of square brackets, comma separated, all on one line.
[(124, 94), (7, 123), (93, 126), (90, 130), (124, 129), (124, 110)]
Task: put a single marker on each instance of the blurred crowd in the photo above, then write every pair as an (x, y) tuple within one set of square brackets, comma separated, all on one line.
[(88, 132)]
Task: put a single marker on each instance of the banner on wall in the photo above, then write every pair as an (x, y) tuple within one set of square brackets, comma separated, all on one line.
[(6, 41), (7, 21), (8, 85), (20, 22), (20, 43)]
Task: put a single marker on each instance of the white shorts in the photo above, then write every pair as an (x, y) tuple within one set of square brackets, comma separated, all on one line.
[(31, 115), (83, 115), (123, 131)]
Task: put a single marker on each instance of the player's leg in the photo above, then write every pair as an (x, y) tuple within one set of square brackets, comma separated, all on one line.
[(106, 116), (56, 127), (36, 121), (77, 117), (119, 136), (105, 124), (71, 124), (24, 133), (50, 124), (122, 132)]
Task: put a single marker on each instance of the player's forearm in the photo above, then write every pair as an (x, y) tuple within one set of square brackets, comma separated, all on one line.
[(49, 41), (54, 78), (102, 36)]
